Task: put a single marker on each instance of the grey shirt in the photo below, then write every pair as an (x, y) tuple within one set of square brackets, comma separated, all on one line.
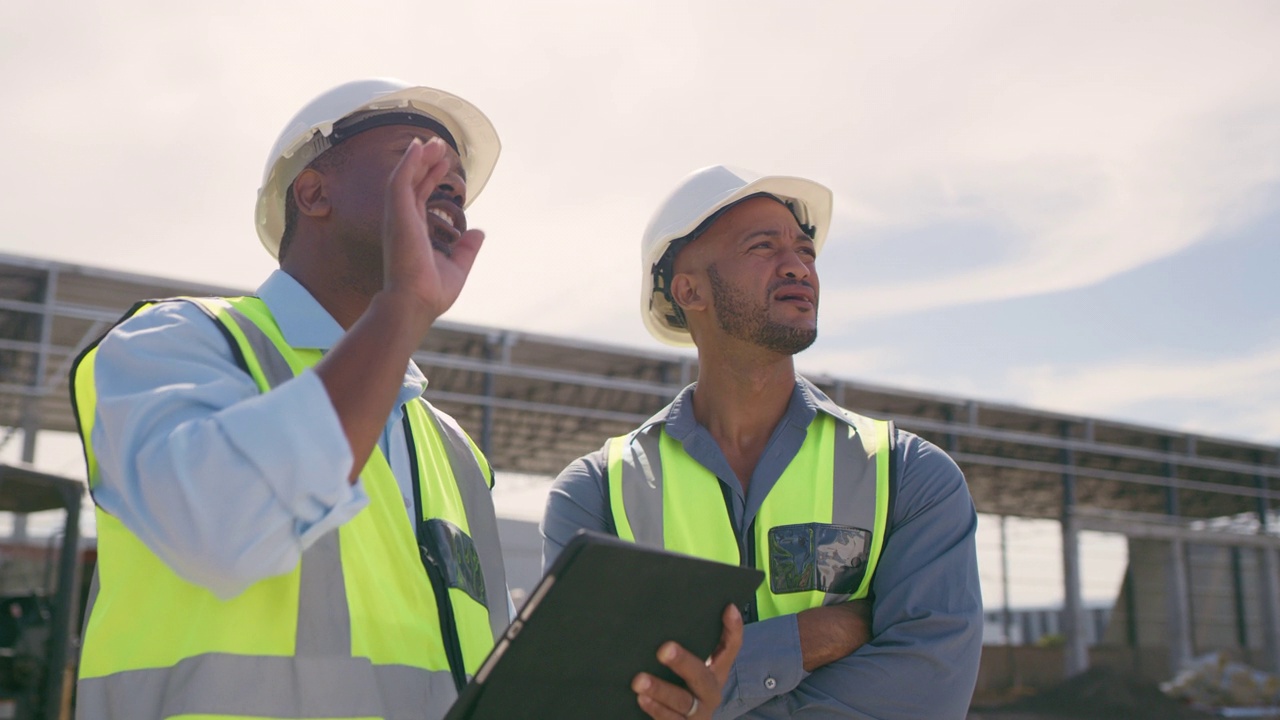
[(922, 660)]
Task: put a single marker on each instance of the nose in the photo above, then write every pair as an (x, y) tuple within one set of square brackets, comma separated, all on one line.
[(454, 187), (794, 265)]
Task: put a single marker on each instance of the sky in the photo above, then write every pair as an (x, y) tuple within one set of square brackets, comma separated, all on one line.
[(1068, 206)]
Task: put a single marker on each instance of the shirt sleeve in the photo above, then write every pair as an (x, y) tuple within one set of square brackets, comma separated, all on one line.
[(770, 662), (922, 661), (225, 484)]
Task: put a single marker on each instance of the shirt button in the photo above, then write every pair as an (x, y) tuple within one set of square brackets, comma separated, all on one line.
[(770, 683)]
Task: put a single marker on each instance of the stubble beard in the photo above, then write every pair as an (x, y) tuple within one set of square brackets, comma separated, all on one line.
[(742, 319), (362, 258)]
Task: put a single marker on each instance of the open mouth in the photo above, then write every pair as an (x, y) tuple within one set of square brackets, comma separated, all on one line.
[(446, 223), (800, 296)]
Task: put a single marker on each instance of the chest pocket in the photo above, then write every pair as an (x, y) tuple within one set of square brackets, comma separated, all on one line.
[(817, 556)]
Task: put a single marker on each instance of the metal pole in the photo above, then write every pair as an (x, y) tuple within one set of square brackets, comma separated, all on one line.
[(1131, 615), (1179, 625), (30, 431), (1268, 585), (486, 410), (1237, 593), (1076, 658), (67, 607), (1177, 603), (1006, 615)]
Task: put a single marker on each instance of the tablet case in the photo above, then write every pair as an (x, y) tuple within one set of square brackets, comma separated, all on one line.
[(595, 620)]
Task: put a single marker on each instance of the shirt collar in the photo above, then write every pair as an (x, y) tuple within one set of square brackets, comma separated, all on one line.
[(806, 402), (305, 323)]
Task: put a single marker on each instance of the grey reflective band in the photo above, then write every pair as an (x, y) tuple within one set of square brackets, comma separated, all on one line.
[(481, 519), (853, 500), (274, 687), (324, 618), (274, 366), (642, 486)]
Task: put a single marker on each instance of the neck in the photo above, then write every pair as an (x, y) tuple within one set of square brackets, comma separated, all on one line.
[(343, 299), (742, 394)]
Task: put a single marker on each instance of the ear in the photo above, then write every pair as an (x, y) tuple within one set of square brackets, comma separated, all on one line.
[(686, 293), (311, 194)]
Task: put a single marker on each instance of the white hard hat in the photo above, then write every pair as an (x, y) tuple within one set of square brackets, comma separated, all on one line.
[(688, 211), (311, 132)]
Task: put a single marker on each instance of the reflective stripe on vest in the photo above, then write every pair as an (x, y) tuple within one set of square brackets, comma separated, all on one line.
[(817, 536), (216, 658)]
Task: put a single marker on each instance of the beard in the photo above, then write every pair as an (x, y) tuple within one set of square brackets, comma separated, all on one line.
[(741, 318)]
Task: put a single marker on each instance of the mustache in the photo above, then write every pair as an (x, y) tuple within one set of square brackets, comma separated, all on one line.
[(445, 195), (776, 286)]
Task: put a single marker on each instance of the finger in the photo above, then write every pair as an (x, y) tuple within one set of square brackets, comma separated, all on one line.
[(465, 250), (660, 699), (434, 167), (695, 673), (730, 643), (403, 178)]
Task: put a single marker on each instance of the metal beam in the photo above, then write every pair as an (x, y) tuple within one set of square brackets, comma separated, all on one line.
[(1268, 585), (913, 423), (1177, 607), (1077, 650), (1117, 475), (532, 372), (1137, 526)]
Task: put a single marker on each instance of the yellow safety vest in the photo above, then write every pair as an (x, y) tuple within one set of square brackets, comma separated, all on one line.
[(356, 630), (817, 536)]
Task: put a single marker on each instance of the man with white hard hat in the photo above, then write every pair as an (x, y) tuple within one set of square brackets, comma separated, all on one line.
[(871, 603), (286, 528)]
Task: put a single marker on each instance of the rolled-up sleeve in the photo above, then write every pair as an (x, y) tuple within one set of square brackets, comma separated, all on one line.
[(922, 661), (227, 485)]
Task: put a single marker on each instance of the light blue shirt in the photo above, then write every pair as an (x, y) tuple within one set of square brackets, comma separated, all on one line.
[(926, 625), (228, 485)]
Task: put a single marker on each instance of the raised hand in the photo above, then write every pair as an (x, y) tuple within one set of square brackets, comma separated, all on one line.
[(412, 267)]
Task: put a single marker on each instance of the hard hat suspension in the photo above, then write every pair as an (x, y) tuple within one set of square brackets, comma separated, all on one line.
[(355, 124)]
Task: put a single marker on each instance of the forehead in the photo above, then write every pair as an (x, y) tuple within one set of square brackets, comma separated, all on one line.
[(763, 213)]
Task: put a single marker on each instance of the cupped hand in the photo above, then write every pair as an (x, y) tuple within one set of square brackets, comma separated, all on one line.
[(412, 267)]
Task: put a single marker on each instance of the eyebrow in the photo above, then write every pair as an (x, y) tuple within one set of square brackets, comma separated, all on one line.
[(772, 233)]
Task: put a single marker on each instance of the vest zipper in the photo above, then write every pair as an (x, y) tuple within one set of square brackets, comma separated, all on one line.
[(435, 572)]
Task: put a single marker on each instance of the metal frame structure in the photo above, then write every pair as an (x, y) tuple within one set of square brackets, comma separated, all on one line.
[(24, 491), (535, 402)]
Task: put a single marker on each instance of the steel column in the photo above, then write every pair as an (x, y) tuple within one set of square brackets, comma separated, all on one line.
[(1268, 585), (1077, 651)]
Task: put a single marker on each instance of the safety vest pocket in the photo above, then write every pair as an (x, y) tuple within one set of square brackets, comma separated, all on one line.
[(456, 556), (817, 557)]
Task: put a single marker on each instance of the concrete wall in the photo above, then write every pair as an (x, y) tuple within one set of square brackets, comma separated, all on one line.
[(1214, 603)]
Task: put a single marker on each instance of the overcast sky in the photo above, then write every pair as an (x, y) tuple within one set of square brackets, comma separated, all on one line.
[(1070, 206)]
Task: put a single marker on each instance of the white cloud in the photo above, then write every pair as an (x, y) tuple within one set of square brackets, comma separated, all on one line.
[(1233, 396)]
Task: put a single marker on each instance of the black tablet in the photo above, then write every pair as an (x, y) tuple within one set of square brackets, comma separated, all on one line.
[(595, 620)]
